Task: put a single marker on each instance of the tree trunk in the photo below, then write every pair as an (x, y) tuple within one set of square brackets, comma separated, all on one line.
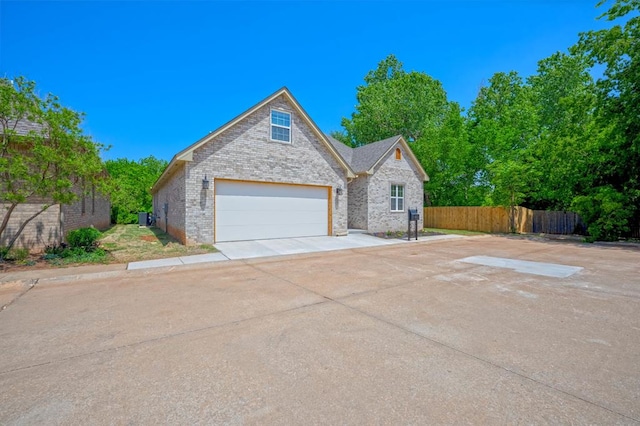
[(7, 216), (24, 225)]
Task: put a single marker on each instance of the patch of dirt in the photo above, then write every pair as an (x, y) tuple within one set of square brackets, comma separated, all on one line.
[(151, 238)]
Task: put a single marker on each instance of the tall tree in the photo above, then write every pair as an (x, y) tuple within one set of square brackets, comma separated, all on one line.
[(615, 165), (564, 96), (131, 184), (47, 163), (503, 124), (414, 105), (395, 102), (451, 161)]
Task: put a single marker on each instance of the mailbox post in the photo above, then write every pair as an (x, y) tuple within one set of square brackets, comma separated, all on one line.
[(414, 216)]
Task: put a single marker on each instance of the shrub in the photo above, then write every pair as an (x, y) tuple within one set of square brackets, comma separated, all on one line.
[(16, 255), (606, 211), (84, 238)]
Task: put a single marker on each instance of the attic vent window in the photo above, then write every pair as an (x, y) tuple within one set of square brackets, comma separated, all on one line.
[(280, 126), (398, 154)]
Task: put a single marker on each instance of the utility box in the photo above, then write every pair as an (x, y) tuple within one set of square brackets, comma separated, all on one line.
[(143, 218)]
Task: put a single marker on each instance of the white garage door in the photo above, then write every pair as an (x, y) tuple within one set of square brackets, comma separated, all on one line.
[(260, 211)]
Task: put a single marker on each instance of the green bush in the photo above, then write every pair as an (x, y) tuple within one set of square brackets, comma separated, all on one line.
[(606, 212), (84, 238), (59, 255), (16, 255)]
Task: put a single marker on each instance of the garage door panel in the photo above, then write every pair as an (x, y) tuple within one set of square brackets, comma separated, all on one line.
[(251, 211), (249, 232), (258, 189), (239, 217), (245, 203)]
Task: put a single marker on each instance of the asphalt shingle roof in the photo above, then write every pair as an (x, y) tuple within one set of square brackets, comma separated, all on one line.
[(24, 126), (344, 150), (361, 159)]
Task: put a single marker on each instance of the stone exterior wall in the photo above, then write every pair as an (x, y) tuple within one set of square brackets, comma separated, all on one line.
[(91, 209), (391, 171), (42, 231), (245, 152), (172, 193), (358, 203)]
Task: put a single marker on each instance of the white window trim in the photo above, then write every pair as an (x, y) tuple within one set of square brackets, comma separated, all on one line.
[(404, 197), (282, 127)]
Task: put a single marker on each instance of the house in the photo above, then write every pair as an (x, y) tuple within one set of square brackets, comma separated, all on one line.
[(271, 173), (51, 226), (389, 180)]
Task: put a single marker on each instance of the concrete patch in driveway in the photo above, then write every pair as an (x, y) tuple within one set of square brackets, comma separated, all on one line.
[(526, 267)]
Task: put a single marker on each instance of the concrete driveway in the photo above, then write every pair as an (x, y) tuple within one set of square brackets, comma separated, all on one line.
[(407, 333), (286, 246)]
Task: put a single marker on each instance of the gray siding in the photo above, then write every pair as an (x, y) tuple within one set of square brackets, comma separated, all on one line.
[(391, 171)]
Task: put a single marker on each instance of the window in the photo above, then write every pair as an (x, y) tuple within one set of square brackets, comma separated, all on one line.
[(280, 126), (397, 198), (398, 154)]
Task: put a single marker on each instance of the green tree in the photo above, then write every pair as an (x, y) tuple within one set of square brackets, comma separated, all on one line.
[(614, 167), (50, 160), (395, 102), (503, 125), (414, 105), (564, 96), (131, 184), (451, 161)]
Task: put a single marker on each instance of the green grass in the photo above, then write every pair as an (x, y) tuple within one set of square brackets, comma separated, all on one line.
[(454, 231), (129, 243), (77, 257)]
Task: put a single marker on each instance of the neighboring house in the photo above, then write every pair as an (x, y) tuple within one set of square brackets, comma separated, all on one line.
[(271, 173), (51, 226)]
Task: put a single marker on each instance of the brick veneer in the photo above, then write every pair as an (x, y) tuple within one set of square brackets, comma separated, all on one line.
[(245, 152)]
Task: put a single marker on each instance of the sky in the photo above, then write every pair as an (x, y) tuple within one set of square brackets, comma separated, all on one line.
[(153, 77)]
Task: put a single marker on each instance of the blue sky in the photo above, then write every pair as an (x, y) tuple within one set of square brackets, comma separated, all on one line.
[(155, 76)]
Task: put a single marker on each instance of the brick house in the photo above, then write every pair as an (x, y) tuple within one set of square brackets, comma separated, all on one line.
[(51, 226), (271, 173)]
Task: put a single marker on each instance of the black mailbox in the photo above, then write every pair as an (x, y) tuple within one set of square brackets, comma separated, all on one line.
[(414, 216)]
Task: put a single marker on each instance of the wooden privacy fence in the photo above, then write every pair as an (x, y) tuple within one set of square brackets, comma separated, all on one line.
[(498, 219), (483, 219), (557, 222)]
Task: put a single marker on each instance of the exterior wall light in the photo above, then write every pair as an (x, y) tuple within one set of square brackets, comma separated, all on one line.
[(339, 190), (205, 182)]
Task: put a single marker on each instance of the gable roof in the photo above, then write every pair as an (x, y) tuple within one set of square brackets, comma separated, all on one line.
[(187, 153), (365, 158), (344, 150)]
